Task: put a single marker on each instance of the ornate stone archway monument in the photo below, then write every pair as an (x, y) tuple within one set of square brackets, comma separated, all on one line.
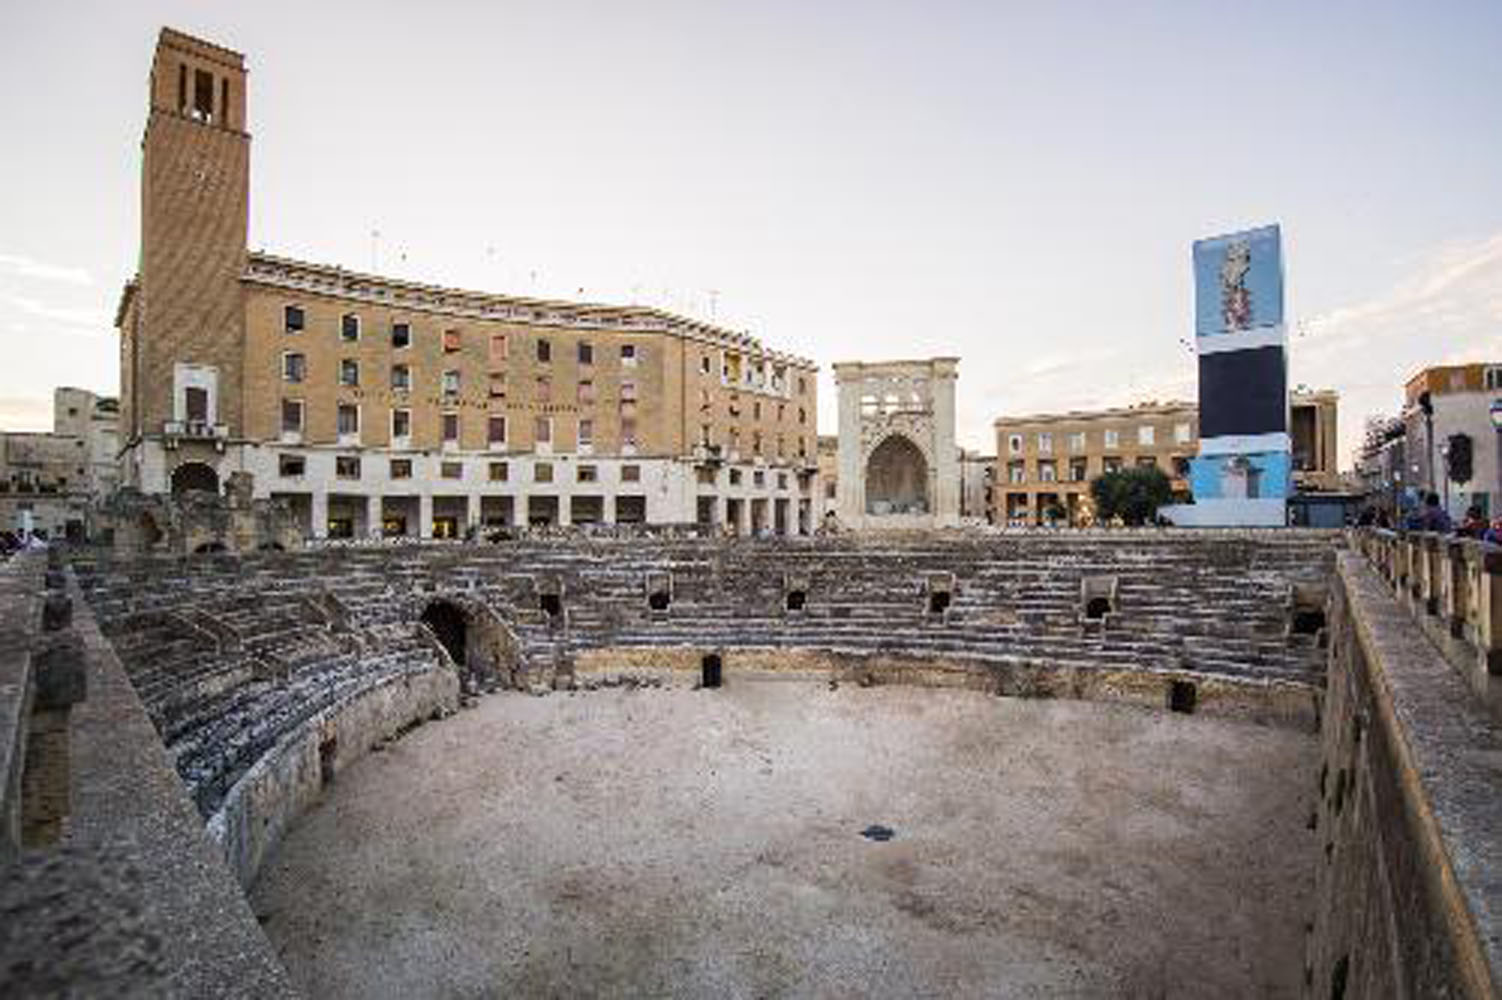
[(898, 465)]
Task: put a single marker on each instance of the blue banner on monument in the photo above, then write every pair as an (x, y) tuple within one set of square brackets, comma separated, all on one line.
[(1262, 475)]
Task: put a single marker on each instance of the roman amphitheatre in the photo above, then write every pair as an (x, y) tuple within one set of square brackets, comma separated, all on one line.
[(1089, 764)]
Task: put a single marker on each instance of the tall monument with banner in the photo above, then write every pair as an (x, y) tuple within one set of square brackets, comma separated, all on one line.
[(1243, 473)]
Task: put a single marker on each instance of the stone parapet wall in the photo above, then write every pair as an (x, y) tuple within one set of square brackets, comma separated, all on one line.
[(132, 898), (20, 625), (1409, 895), (1453, 586)]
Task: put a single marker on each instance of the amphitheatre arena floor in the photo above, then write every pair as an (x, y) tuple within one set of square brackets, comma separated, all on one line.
[(708, 843)]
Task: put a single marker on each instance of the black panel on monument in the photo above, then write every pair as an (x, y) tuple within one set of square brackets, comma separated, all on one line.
[(1243, 392)]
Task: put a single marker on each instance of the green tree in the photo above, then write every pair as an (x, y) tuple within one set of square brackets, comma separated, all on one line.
[(1134, 495)]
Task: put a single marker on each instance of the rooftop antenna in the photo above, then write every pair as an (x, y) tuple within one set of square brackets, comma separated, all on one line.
[(375, 251), (714, 301)]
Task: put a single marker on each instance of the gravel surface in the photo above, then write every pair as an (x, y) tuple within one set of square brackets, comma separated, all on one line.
[(709, 843)]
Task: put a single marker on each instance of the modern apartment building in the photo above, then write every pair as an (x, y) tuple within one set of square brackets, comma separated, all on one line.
[(378, 406), (1044, 462)]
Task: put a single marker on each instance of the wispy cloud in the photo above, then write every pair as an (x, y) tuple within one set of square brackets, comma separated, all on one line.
[(27, 267), (1447, 310), (74, 316)]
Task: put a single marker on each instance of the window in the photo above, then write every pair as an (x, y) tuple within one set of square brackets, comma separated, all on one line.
[(1017, 472), (451, 470), (294, 367), (401, 468), (291, 416), (1113, 438), (1181, 466), (1111, 463), (586, 433), (349, 372), (586, 353), (291, 466), (1077, 441), (782, 480), (401, 424), (1147, 462), (1045, 444), (1078, 470), (586, 391), (587, 474), (1047, 472), (542, 472), (632, 473), (451, 383), (195, 404), (349, 419), (401, 377), (802, 386), (401, 335), (1493, 379), (628, 432), (758, 478), (735, 477), (628, 392), (1014, 444), (544, 352), (544, 388), (1181, 433), (499, 472), (497, 348), (349, 327), (450, 423), (705, 365), (1145, 434), (705, 475), (203, 95), (756, 443), (802, 415), (293, 319), (628, 355), (495, 429), (756, 410), (497, 385), (453, 341), (347, 466)]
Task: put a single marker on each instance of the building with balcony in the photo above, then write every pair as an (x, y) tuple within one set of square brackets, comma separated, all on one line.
[(376, 406), (1459, 399), (1044, 462)]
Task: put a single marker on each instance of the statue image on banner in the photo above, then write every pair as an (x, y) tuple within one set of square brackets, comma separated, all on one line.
[(1238, 282)]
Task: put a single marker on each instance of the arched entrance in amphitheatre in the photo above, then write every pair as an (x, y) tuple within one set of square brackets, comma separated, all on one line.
[(194, 477), (451, 626), (897, 478)]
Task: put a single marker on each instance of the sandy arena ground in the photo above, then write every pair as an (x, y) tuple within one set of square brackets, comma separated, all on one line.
[(708, 843)]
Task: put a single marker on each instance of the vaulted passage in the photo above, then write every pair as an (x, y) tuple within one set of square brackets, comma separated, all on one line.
[(450, 626), (194, 477), (897, 478)]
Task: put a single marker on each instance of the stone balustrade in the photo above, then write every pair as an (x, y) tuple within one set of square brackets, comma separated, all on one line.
[(1454, 587)]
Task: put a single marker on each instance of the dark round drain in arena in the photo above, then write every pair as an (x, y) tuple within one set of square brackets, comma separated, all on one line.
[(878, 832)]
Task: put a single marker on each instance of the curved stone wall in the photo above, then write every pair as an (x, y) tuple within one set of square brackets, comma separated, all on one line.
[(264, 673)]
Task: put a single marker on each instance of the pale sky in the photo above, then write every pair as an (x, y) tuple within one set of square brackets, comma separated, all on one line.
[(1017, 184)]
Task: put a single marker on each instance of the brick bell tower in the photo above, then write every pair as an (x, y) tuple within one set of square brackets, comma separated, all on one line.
[(183, 329)]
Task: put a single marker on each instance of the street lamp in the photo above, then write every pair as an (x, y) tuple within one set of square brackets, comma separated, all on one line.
[(1495, 412)]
